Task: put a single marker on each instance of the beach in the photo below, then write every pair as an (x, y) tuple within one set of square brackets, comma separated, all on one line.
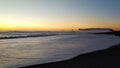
[(59, 33), (107, 58), (36, 49)]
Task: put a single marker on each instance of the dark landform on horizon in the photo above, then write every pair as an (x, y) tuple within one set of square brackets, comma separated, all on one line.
[(97, 29)]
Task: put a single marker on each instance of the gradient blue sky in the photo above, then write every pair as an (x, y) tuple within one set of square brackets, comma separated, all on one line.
[(59, 14)]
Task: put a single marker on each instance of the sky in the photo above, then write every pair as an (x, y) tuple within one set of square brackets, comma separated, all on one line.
[(59, 14)]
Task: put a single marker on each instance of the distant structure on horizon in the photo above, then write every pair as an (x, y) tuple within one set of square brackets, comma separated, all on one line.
[(72, 30)]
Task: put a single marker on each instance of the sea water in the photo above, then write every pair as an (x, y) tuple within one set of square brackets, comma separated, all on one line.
[(28, 48)]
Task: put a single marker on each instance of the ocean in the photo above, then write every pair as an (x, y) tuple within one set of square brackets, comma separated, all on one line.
[(22, 48)]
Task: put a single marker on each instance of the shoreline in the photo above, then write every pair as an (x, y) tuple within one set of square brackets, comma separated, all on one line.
[(107, 58)]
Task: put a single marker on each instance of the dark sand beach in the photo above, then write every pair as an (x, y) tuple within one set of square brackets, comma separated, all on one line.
[(108, 58)]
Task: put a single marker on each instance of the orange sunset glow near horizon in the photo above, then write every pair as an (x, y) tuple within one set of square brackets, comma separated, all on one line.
[(58, 15)]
